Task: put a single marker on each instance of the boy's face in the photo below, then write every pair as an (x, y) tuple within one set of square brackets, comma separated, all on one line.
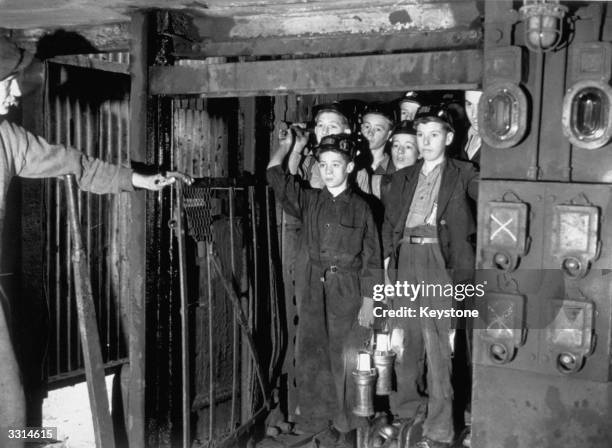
[(432, 139), (471, 107), (9, 93), (408, 110), (334, 168), (329, 123), (404, 150), (376, 129)]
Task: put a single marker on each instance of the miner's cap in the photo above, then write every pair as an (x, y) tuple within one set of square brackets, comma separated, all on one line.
[(340, 143), (411, 97), (437, 112), (12, 58), (404, 127), (384, 109)]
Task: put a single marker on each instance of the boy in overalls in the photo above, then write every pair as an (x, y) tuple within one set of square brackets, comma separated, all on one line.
[(343, 264)]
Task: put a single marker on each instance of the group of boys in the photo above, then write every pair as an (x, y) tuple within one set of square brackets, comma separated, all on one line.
[(392, 199)]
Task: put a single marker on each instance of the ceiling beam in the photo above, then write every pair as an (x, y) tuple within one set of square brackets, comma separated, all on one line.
[(354, 44), (376, 73)]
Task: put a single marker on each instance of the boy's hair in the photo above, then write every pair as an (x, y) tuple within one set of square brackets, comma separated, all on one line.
[(434, 113), (342, 144), (334, 107)]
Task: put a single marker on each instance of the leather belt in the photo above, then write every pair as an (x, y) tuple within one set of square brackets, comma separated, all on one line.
[(418, 240)]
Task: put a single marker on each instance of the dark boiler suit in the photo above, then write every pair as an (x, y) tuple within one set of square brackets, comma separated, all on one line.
[(343, 263)]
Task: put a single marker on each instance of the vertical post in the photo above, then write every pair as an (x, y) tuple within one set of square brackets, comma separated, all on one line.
[(180, 238), (139, 50), (88, 327)]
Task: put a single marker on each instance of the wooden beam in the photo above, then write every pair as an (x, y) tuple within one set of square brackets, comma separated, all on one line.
[(137, 243), (95, 64), (346, 43), (393, 72), (74, 40)]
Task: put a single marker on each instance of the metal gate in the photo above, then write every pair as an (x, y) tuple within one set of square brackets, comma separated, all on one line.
[(87, 109)]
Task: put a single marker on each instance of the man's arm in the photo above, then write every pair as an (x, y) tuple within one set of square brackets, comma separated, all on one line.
[(34, 157)]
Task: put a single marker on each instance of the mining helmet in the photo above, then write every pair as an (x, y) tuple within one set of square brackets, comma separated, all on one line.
[(404, 127), (383, 109), (12, 58), (411, 97), (435, 112), (340, 143)]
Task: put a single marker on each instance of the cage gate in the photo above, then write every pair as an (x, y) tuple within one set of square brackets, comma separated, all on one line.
[(218, 218)]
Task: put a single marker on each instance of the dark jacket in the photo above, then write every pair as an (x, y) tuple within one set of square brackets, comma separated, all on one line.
[(350, 243), (455, 221), (475, 160)]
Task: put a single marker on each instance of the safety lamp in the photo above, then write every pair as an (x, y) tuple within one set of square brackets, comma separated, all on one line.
[(543, 21)]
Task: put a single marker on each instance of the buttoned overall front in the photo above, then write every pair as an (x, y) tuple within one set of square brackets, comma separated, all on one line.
[(339, 236)]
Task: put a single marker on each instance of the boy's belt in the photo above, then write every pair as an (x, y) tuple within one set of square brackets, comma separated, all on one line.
[(333, 268), (417, 240)]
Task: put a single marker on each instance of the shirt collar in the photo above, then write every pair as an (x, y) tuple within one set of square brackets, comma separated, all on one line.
[(344, 196), (439, 167), (381, 168)]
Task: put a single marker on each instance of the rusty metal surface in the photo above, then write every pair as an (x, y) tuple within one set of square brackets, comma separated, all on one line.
[(540, 279), (96, 122), (429, 71), (516, 409)]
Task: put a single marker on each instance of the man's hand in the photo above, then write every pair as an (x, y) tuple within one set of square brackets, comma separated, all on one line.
[(366, 313), (156, 182)]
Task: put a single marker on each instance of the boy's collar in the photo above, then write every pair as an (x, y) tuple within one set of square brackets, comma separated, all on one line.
[(343, 196), (440, 164)]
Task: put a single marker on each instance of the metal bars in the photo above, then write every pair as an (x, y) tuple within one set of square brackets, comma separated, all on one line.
[(96, 122)]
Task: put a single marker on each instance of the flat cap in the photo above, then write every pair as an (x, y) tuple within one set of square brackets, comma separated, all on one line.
[(12, 58)]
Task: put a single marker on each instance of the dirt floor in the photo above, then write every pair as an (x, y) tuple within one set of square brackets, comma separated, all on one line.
[(67, 409)]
